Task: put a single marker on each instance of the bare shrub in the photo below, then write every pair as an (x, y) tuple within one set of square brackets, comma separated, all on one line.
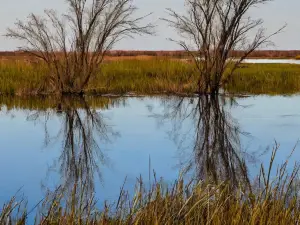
[(211, 29), (73, 45)]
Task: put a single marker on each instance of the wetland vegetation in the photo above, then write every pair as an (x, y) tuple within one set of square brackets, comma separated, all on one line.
[(154, 76), (66, 89), (71, 48), (215, 186), (198, 202)]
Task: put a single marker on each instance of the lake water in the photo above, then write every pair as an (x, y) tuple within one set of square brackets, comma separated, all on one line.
[(277, 61), (44, 143)]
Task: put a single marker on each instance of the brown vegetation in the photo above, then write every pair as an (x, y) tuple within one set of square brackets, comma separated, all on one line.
[(73, 45), (211, 30), (144, 54)]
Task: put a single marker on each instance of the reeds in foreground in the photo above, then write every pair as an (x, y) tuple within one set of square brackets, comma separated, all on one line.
[(269, 201)]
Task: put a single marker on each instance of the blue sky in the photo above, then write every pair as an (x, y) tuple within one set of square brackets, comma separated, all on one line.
[(275, 14)]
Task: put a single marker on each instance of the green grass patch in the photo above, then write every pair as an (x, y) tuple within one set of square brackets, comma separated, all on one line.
[(155, 76), (265, 79)]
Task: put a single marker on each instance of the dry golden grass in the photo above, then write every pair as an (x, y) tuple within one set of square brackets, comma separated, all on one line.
[(269, 201), (152, 75)]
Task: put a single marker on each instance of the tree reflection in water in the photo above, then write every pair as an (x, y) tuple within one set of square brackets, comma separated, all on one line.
[(81, 132), (213, 135)]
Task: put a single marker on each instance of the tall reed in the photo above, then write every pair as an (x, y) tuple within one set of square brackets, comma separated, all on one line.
[(271, 200), (156, 75)]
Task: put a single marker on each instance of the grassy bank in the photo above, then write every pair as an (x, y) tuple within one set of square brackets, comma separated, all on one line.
[(155, 76), (268, 201), (266, 79)]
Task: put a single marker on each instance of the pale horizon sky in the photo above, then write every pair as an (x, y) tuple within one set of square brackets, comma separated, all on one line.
[(275, 14)]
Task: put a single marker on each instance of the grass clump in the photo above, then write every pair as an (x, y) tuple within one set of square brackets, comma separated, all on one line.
[(21, 78), (265, 79), (154, 76)]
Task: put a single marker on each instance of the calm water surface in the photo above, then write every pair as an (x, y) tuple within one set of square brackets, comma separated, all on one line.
[(277, 61), (102, 141)]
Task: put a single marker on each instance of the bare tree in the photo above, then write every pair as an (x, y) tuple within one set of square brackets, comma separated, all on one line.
[(214, 28), (73, 45)]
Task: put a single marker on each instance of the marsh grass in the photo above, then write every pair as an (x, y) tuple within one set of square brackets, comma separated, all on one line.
[(273, 199), (21, 78), (157, 75), (265, 79)]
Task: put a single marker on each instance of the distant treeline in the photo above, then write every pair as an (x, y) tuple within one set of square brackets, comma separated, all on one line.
[(179, 54)]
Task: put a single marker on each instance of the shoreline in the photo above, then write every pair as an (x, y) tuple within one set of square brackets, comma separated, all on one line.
[(156, 76)]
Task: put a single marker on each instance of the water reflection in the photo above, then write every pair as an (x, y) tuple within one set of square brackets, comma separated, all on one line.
[(205, 125), (205, 131), (82, 131), (202, 127)]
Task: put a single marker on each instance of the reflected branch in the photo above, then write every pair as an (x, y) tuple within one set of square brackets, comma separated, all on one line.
[(82, 129), (203, 125)]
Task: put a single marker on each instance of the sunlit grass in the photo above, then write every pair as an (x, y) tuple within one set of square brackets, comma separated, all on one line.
[(265, 79), (19, 78), (145, 77), (154, 76)]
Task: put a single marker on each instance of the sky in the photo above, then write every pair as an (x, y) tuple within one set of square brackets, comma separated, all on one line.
[(275, 14)]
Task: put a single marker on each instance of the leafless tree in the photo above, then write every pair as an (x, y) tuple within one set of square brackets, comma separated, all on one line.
[(211, 29), (73, 45)]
